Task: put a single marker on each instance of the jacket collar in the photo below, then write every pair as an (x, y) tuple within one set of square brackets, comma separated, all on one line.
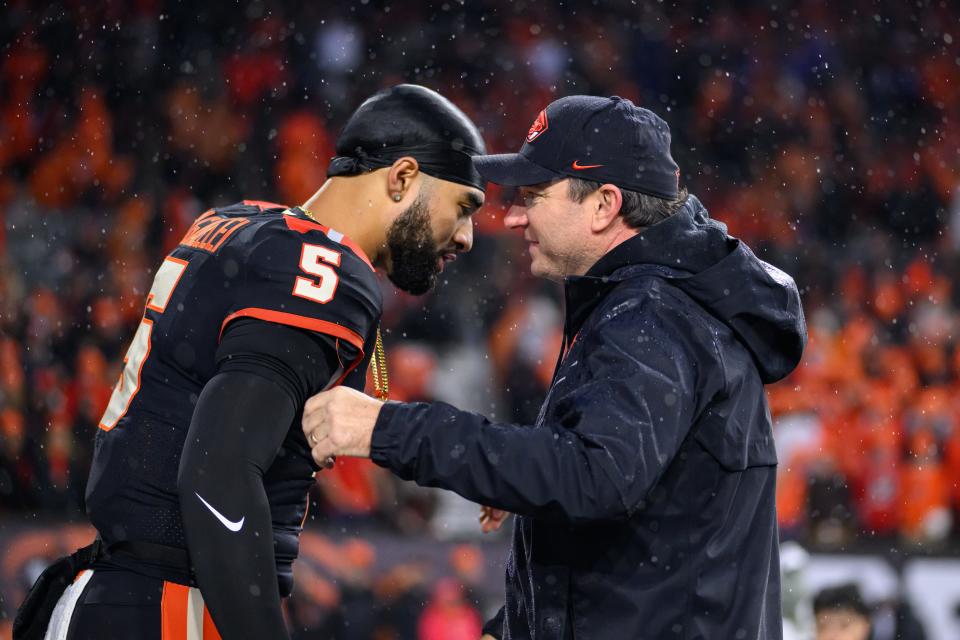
[(584, 293)]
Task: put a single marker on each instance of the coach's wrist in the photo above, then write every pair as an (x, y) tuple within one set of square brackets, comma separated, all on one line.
[(386, 437)]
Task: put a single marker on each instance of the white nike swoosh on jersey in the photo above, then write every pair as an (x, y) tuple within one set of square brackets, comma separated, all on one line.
[(232, 526)]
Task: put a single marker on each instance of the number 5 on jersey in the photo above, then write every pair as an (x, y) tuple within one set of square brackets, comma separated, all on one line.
[(316, 260), (168, 275)]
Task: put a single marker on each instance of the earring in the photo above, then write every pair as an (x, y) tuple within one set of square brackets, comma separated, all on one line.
[(397, 197)]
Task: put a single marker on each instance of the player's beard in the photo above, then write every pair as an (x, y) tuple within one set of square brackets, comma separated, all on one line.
[(414, 255)]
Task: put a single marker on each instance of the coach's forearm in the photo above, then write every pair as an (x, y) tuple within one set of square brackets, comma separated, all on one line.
[(543, 471)]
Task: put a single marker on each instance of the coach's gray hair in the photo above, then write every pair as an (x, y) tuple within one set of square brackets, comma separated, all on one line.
[(638, 209)]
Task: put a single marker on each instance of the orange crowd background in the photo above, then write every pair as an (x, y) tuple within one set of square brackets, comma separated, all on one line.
[(825, 135)]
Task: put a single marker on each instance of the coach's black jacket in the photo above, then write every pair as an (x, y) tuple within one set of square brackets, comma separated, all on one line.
[(645, 492)]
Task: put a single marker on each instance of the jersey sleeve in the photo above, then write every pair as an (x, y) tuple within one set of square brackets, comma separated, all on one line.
[(298, 361), (303, 278)]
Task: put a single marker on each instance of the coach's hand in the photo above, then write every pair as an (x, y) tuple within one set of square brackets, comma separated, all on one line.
[(340, 422), (491, 519)]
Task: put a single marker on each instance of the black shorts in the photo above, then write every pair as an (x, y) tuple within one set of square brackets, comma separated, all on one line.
[(117, 604)]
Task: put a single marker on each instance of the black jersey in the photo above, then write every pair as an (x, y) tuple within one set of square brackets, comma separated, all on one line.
[(249, 260)]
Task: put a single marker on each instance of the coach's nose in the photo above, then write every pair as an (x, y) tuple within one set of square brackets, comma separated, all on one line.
[(516, 217)]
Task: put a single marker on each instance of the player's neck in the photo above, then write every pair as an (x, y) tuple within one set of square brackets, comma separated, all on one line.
[(345, 205)]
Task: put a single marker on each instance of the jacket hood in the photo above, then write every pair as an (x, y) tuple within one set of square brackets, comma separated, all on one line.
[(760, 303)]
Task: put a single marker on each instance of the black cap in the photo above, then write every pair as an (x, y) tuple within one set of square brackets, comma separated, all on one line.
[(410, 120), (608, 140)]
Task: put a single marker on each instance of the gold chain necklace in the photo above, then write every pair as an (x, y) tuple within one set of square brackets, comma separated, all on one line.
[(378, 363), (378, 368)]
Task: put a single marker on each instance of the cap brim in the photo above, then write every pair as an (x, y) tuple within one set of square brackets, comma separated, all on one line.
[(512, 170)]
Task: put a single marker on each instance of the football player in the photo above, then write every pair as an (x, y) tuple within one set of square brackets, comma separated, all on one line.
[(200, 476)]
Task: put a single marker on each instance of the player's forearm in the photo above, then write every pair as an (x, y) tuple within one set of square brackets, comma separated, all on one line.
[(236, 430), (530, 471), (235, 570)]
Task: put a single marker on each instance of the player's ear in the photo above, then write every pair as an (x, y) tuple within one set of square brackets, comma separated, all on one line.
[(401, 177), (605, 207)]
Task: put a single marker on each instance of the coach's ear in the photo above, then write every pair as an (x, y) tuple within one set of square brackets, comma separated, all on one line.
[(401, 177), (605, 204)]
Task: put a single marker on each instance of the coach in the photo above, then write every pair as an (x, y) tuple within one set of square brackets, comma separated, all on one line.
[(644, 493)]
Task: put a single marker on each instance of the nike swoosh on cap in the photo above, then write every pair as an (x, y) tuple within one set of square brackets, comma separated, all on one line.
[(229, 524), (580, 167)]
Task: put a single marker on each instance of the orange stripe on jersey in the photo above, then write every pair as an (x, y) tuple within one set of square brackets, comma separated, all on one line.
[(303, 322), (173, 611), (302, 226), (347, 371), (306, 509), (263, 204), (209, 629)]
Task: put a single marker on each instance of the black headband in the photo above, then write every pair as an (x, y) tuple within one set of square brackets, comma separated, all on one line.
[(439, 160)]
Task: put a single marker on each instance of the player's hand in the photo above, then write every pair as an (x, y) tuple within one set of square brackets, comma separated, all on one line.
[(491, 519), (340, 422), (487, 636)]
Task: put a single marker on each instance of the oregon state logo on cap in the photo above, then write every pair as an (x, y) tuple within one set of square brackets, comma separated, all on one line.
[(539, 126)]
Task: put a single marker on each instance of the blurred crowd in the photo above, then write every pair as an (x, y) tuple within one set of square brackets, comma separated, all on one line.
[(375, 587), (351, 598), (825, 135)]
